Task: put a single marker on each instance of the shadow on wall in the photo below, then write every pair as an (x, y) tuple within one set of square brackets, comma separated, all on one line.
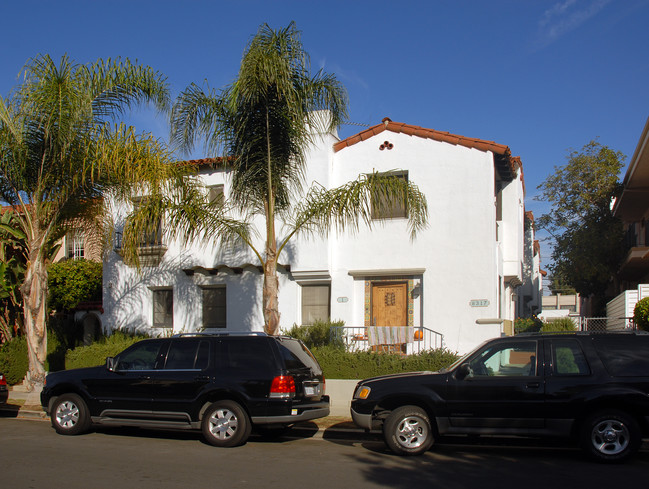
[(127, 293)]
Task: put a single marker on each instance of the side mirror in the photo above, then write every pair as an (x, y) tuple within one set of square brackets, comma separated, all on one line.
[(110, 363), (463, 371)]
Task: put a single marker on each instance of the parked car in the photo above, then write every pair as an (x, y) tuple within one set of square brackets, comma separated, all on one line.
[(592, 388), (4, 389), (223, 384)]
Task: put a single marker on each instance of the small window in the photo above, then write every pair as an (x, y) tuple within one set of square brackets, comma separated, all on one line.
[(75, 244), (568, 358), (385, 207), (163, 308), (315, 303), (214, 307), (215, 194)]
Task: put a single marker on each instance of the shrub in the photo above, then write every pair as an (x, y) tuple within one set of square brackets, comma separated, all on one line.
[(320, 333), (95, 354), (73, 281), (340, 364), (527, 325), (558, 325), (14, 361), (641, 314)]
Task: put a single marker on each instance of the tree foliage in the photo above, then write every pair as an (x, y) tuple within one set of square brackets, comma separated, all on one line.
[(587, 237), (13, 263), (61, 151), (73, 281), (263, 124), (641, 314)]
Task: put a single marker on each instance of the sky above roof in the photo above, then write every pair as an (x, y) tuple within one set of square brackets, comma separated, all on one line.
[(541, 76)]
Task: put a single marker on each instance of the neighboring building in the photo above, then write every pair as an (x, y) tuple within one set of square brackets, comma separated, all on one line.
[(559, 306), (460, 276), (532, 289), (632, 207)]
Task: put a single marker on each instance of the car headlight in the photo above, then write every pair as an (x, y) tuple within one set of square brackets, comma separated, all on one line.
[(363, 392)]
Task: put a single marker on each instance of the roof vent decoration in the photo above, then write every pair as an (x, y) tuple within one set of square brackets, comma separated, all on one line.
[(386, 145)]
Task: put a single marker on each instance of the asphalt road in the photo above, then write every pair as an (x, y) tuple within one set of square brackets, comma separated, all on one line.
[(32, 455)]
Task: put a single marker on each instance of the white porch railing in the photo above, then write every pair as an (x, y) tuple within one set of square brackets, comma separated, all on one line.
[(362, 338)]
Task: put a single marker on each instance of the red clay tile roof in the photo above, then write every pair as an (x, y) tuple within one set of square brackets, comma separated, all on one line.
[(206, 161), (509, 164)]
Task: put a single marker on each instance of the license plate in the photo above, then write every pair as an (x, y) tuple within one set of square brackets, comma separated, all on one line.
[(311, 390)]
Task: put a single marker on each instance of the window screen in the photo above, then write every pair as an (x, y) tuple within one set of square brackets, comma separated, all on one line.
[(315, 303), (214, 308), (163, 308)]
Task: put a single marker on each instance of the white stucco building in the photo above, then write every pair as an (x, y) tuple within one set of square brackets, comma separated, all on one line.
[(459, 277)]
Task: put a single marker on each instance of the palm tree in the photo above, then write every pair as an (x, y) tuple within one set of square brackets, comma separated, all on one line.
[(262, 124), (60, 152)]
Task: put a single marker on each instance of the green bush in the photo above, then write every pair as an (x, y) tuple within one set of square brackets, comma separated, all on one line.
[(340, 364), (73, 281), (527, 325), (641, 314), (95, 354), (320, 333), (14, 361), (558, 325)]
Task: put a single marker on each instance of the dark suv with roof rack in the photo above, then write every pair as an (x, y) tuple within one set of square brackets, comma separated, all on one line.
[(593, 388), (223, 384)]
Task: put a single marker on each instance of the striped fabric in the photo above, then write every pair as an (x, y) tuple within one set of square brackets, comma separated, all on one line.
[(390, 335)]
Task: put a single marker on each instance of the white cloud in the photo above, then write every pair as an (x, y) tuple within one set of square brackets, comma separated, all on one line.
[(566, 16)]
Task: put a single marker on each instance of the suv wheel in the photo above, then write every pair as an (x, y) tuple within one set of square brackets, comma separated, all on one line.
[(610, 436), (225, 424), (407, 431), (69, 415)]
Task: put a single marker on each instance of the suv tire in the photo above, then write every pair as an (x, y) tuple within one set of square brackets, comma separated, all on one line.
[(610, 436), (70, 415), (407, 431), (226, 424)]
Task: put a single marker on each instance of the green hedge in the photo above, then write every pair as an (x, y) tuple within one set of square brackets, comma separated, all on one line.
[(335, 361), (14, 361), (95, 354), (562, 324), (340, 364)]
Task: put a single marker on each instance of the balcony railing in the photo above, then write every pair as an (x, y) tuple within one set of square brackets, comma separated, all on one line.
[(403, 340), (150, 248)]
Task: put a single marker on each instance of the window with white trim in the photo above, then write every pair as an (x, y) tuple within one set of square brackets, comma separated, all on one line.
[(214, 307), (316, 303), (163, 308)]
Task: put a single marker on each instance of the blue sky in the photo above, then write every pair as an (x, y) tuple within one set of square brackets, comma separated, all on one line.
[(541, 76)]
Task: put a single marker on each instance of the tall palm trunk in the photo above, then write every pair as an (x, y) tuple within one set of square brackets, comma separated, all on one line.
[(271, 282), (34, 292)]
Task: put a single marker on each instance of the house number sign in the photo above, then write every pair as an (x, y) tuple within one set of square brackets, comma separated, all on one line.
[(479, 303)]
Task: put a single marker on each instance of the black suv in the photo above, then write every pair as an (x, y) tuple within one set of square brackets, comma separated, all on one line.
[(222, 384), (593, 388)]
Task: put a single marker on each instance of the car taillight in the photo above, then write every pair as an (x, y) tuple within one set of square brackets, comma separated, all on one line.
[(3, 381), (283, 386)]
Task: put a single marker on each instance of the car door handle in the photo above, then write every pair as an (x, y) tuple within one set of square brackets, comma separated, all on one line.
[(533, 385), (202, 377)]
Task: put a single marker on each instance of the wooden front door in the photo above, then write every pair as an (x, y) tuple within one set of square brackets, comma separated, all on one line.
[(390, 304)]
